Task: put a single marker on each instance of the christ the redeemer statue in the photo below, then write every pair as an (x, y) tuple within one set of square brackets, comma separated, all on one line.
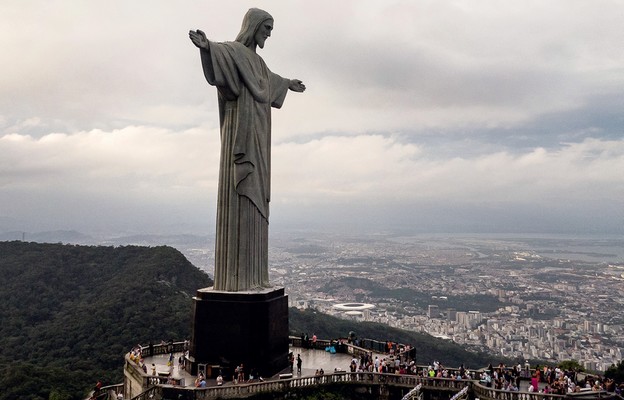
[(247, 90)]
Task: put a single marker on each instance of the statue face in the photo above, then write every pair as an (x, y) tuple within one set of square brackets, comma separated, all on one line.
[(263, 32)]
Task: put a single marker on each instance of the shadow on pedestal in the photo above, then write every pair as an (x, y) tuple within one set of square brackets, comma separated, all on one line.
[(230, 328)]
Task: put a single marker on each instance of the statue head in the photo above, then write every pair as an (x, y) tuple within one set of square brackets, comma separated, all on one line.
[(253, 29)]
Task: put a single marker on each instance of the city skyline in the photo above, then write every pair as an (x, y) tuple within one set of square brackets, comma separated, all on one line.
[(507, 296), (428, 116)]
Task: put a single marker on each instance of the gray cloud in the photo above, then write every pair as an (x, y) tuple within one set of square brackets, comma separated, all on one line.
[(444, 115)]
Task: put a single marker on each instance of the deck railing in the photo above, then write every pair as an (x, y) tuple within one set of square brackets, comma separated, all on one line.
[(164, 348), (459, 387), (343, 345), (153, 393), (146, 379), (415, 393), (284, 385), (462, 394), (487, 393)]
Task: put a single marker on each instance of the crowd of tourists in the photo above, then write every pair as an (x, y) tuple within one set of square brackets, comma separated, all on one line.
[(559, 381), (546, 380)]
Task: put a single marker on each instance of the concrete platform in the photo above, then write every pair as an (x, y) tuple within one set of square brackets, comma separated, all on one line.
[(312, 360)]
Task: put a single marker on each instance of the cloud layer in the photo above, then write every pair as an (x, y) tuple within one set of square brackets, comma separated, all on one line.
[(437, 115)]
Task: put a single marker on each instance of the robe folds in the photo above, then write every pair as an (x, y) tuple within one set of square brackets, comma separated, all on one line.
[(247, 90)]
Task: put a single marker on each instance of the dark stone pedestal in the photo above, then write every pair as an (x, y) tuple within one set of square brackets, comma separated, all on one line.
[(230, 328)]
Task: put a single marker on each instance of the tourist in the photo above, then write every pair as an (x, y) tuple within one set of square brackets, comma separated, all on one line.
[(361, 369), (291, 361), (252, 374), (220, 380), (235, 375), (609, 385), (299, 362), (241, 374)]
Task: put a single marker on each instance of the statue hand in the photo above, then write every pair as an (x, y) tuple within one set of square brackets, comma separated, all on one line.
[(199, 39), (296, 86)]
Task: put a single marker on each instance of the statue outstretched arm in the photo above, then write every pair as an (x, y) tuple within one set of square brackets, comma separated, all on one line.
[(199, 39), (296, 86)]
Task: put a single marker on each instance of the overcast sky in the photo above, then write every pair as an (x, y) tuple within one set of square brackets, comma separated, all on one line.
[(472, 116)]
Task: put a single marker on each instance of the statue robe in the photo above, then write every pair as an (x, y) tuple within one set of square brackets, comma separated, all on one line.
[(247, 91)]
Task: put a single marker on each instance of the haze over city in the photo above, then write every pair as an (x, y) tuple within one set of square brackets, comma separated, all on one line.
[(433, 116)]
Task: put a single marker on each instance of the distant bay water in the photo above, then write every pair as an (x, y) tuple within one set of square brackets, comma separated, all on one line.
[(588, 248)]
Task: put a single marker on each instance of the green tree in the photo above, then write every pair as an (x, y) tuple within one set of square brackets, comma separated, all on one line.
[(58, 395), (69, 313), (616, 372), (570, 365)]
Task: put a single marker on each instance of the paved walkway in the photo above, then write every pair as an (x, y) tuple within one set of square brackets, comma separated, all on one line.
[(312, 360), (160, 362)]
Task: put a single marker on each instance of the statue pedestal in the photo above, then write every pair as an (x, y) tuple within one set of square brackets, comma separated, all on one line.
[(230, 328)]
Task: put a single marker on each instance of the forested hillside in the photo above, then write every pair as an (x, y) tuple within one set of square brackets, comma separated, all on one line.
[(69, 313)]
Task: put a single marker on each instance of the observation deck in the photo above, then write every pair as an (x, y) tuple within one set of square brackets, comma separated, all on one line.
[(159, 371), (175, 382)]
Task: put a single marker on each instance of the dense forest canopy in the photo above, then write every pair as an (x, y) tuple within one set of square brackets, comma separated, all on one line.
[(70, 312)]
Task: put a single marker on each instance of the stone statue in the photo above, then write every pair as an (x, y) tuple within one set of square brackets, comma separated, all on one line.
[(247, 90)]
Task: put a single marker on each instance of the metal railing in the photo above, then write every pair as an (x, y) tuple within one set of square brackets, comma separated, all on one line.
[(109, 392)]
